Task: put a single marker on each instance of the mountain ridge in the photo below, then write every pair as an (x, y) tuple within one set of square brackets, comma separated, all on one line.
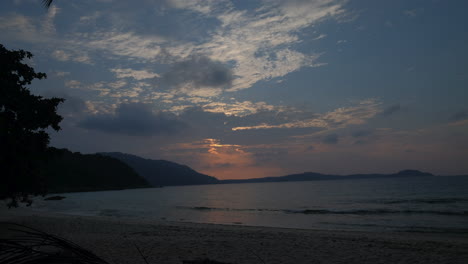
[(162, 172), (313, 176), (168, 173), (68, 171)]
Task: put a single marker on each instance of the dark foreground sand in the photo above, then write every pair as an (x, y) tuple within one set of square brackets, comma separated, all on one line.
[(171, 242)]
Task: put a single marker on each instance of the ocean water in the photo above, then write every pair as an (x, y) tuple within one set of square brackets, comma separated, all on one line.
[(418, 204)]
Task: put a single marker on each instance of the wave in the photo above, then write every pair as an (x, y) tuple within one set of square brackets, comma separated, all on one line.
[(203, 208), (330, 212), (409, 228), (378, 212), (422, 201)]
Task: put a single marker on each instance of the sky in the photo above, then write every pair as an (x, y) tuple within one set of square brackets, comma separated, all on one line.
[(246, 89)]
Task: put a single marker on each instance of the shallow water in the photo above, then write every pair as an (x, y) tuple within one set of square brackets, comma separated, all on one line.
[(418, 204)]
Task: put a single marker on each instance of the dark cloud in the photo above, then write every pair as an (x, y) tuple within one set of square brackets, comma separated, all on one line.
[(73, 106), (198, 116), (361, 133), (133, 119), (204, 124), (390, 110), (461, 115), (330, 139), (263, 156), (360, 142), (200, 71), (273, 117), (310, 148)]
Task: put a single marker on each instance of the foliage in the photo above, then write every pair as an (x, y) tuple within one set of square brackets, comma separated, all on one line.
[(68, 171), (24, 117)]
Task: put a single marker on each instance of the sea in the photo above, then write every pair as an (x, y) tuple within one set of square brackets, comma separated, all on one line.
[(414, 204)]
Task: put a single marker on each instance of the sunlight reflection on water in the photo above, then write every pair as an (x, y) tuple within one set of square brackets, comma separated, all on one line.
[(434, 204)]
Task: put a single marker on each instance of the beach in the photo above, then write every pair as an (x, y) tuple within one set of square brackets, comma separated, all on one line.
[(119, 240)]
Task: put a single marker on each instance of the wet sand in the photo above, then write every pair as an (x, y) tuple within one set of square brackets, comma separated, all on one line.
[(116, 240)]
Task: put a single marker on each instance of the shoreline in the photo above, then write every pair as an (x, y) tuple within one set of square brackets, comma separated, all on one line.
[(115, 240)]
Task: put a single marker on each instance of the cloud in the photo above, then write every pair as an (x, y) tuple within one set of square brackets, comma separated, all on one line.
[(126, 44), (28, 29), (461, 115), (117, 84), (338, 118), (391, 110), (90, 18), (413, 12), (73, 84), (135, 74), (204, 124), (22, 28), (198, 72), (361, 133), (204, 7), (117, 89), (19, 2), (100, 107), (321, 36), (61, 73), (213, 157), (135, 119), (330, 139), (201, 92), (73, 106), (360, 142), (48, 26), (260, 43), (62, 55), (267, 154), (83, 58), (239, 108)]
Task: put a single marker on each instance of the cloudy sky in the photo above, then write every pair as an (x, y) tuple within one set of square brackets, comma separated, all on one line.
[(239, 89)]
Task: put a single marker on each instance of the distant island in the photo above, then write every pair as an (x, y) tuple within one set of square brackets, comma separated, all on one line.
[(166, 173), (75, 172), (313, 176)]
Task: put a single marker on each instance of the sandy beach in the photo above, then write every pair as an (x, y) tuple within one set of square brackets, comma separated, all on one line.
[(116, 241)]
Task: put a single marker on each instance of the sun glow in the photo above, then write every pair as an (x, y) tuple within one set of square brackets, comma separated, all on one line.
[(224, 161)]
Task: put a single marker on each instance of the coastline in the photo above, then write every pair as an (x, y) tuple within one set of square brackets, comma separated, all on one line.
[(116, 240)]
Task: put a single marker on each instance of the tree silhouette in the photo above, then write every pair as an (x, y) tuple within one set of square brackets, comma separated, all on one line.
[(24, 117)]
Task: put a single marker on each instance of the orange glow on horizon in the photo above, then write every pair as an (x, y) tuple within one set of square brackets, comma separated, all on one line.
[(225, 161)]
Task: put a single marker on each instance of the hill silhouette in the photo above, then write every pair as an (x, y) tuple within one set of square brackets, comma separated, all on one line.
[(167, 173), (162, 172), (68, 171), (313, 176)]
